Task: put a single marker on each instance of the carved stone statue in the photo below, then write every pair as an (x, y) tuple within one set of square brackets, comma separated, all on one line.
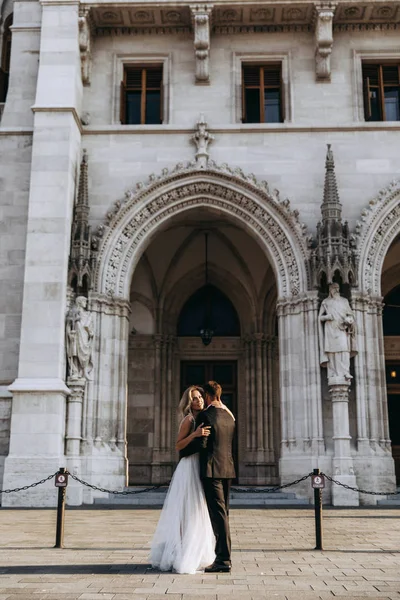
[(202, 138), (336, 335), (79, 340)]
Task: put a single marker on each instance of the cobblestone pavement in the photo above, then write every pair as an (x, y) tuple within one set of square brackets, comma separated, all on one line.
[(106, 557)]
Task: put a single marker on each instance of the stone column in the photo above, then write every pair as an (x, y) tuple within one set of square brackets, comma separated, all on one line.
[(157, 412), (104, 460), (73, 438), (268, 367), (39, 392), (302, 447), (165, 409), (360, 307), (373, 462), (342, 461)]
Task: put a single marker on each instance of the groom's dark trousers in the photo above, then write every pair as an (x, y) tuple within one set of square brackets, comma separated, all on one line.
[(216, 471)]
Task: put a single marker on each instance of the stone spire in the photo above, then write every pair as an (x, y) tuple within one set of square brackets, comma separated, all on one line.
[(81, 260), (331, 208), (334, 252)]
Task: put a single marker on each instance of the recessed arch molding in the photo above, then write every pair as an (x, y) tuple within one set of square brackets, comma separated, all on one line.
[(375, 231), (133, 222)]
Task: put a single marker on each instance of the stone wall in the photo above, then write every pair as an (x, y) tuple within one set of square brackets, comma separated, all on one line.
[(290, 155), (140, 412), (5, 419), (15, 161)]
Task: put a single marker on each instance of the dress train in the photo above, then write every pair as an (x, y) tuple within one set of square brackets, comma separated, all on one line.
[(184, 540)]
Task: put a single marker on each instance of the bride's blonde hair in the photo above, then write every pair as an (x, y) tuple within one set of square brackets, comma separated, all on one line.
[(185, 405)]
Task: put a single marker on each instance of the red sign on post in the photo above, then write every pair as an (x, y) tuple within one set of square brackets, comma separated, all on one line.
[(318, 481), (61, 480)]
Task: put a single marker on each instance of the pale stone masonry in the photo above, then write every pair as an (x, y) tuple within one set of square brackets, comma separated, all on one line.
[(256, 188)]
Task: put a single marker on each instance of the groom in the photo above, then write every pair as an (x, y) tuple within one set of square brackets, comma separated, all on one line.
[(216, 471)]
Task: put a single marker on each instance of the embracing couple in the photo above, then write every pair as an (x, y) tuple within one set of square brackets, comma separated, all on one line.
[(193, 530)]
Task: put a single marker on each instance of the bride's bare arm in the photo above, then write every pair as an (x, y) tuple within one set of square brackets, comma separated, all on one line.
[(184, 437)]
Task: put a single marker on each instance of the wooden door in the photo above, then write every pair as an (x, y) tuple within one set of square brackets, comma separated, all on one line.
[(197, 372)]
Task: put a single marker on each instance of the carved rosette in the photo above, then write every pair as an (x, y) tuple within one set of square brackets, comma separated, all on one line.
[(324, 40), (201, 16)]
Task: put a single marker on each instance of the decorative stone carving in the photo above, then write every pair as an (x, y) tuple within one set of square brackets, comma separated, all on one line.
[(83, 247), (336, 336), (202, 138), (246, 18), (262, 210), (85, 43), (374, 232), (79, 340), (335, 249), (324, 40), (201, 15)]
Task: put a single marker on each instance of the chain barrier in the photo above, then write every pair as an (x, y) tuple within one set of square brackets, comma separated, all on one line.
[(240, 490), (31, 485), (269, 490), (118, 492), (355, 489)]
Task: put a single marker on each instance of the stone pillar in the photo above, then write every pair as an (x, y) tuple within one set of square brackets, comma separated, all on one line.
[(73, 438), (104, 461), (165, 409), (157, 410), (39, 392), (302, 447), (23, 66), (342, 461), (373, 461)]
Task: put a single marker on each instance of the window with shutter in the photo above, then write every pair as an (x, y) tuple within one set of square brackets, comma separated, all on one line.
[(141, 95), (381, 85), (262, 93), (5, 58)]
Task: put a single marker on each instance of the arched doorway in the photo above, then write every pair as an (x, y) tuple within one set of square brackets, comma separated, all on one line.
[(175, 293), (150, 262), (391, 332)]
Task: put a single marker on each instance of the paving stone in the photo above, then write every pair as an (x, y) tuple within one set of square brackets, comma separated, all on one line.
[(106, 556)]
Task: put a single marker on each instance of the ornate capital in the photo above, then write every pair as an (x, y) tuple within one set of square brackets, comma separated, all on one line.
[(110, 305), (324, 39), (339, 389), (201, 16)]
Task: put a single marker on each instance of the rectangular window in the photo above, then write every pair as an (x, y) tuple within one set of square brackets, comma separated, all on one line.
[(141, 95), (262, 99), (381, 84)]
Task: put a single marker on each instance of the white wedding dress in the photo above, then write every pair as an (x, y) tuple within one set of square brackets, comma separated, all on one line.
[(184, 541)]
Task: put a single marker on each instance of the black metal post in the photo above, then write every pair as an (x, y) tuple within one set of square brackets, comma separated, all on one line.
[(60, 514), (318, 514)]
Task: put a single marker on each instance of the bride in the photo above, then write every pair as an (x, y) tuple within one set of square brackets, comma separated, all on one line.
[(184, 541)]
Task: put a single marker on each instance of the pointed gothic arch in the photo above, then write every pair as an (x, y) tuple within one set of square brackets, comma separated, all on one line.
[(375, 232), (134, 223)]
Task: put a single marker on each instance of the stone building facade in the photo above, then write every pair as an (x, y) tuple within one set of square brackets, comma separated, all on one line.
[(133, 137)]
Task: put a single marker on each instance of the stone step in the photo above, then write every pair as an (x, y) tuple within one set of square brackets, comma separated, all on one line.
[(157, 497), (390, 500)]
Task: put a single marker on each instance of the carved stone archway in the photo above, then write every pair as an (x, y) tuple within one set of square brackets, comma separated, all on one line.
[(378, 227), (374, 233), (128, 230), (134, 222)]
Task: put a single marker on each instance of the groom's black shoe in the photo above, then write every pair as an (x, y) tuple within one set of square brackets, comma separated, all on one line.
[(218, 568)]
